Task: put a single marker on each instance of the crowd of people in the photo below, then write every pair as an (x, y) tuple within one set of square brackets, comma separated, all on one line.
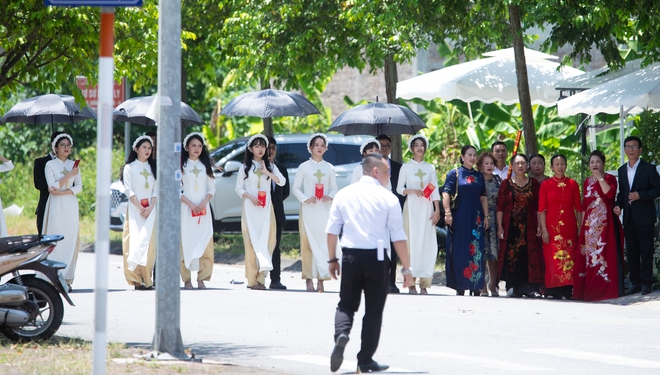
[(506, 219)]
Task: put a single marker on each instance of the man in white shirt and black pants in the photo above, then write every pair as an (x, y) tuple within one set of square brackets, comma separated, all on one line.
[(370, 216)]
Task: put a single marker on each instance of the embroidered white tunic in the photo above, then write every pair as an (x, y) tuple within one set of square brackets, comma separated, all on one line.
[(61, 215), (417, 212), (196, 232), (257, 217), (4, 167), (140, 182), (315, 216)]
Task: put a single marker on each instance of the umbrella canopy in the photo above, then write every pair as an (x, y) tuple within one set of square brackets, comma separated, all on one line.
[(633, 93), (597, 77), (488, 80), (143, 110), (270, 103), (48, 109), (530, 54), (378, 118)]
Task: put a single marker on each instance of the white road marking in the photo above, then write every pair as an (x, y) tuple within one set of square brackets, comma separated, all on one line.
[(609, 359), (492, 363), (325, 361)]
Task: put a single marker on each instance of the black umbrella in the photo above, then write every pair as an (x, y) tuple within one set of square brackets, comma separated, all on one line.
[(270, 103), (378, 118), (143, 110), (48, 109)]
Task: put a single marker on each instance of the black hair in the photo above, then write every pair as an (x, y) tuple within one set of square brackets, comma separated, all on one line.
[(521, 155), (633, 138), (537, 156), (311, 141), (497, 143), (53, 136), (465, 149), (204, 157), (370, 161), (133, 156), (382, 137), (552, 159), (152, 134), (249, 156), (369, 146), (271, 141), (599, 154), (426, 146)]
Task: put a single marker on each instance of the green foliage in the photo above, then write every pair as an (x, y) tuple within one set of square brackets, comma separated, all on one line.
[(648, 130)]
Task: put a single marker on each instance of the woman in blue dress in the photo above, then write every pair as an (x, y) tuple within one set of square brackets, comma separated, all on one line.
[(466, 224)]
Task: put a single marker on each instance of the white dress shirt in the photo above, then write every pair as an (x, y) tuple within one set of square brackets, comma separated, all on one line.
[(631, 172), (503, 173), (368, 212)]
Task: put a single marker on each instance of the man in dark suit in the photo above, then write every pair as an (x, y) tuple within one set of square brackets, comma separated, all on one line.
[(277, 195), (639, 185), (39, 176), (395, 167)]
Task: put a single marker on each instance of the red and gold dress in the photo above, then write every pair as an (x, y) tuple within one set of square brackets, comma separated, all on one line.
[(560, 199), (598, 271)]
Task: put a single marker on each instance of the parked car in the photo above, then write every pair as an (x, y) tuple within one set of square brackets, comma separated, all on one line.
[(118, 206)]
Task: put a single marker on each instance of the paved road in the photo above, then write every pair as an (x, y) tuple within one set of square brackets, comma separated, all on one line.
[(291, 332)]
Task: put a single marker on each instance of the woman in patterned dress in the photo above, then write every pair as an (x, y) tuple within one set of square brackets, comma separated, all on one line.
[(466, 224), (486, 165), (598, 270), (520, 260), (560, 211)]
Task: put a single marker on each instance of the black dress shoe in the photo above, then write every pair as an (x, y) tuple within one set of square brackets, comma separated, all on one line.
[(337, 356), (371, 367), (646, 290), (394, 289), (277, 285), (633, 290)]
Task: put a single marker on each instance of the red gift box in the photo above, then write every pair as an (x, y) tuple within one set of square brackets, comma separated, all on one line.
[(318, 192), (144, 202), (261, 196), (428, 190)]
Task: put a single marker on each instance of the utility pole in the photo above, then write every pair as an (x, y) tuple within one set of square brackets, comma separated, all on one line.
[(167, 337)]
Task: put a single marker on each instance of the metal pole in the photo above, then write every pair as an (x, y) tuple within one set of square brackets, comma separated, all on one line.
[(127, 125), (103, 167), (168, 305), (622, 134)]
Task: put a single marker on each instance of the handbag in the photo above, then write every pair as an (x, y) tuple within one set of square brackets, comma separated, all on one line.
[(453, 199)]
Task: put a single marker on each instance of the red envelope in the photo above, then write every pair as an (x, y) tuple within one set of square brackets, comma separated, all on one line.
[(318, 192), (261, 196), (144, 202), (201, 213), (428, 190)]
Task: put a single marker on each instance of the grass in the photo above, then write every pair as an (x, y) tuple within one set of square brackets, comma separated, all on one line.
[(26, 224), (67, 356), (233, 243)]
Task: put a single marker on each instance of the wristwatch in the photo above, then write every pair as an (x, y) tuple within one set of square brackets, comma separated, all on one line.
[(406, 271)]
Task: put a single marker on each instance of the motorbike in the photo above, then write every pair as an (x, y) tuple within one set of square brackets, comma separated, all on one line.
[(31, 308)]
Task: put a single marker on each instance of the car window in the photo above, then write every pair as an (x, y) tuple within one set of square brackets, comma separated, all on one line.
[(292, 154), (225, 150), (339, 154), (239, 157)]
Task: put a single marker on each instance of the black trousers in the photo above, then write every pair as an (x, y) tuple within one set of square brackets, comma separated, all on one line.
[(392, 264), (277, 260), (639, 251), (361, 271)]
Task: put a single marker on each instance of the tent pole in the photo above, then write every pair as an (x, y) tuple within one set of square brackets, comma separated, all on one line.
[(621, 133)]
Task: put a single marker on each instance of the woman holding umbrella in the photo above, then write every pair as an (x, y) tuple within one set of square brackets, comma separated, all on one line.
[(315, 185), (61, 215), (139, 240), (253, 184), (418, 181)]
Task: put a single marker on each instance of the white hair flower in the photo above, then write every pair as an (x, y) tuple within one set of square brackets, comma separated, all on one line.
[(325, 138), (58, 137), (255, 137), (185, 140), (137, 141), (418, 136), (367, 143)]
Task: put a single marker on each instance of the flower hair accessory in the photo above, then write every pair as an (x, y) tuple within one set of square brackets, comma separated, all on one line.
[(137, 141), (185, 140), (367, 143), (418, 136), (58, 137), (325, 138), (255, 137)]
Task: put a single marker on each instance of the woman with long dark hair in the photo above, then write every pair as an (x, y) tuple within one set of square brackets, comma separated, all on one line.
[(486, 165), (139, 237), (61, 215), (258, 218), (465, 261), (520, 258), (560, 211), (537, 168), (198, 188), (315, 186)]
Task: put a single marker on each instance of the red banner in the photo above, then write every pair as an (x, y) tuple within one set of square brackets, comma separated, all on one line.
[(91, 92)]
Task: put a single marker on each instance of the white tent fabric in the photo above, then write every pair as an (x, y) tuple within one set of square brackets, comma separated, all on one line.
[(633, 92), (488, 80), (598, 76)]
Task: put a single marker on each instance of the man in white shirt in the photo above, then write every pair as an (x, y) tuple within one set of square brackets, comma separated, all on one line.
[(370, 216), (500, 152)]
